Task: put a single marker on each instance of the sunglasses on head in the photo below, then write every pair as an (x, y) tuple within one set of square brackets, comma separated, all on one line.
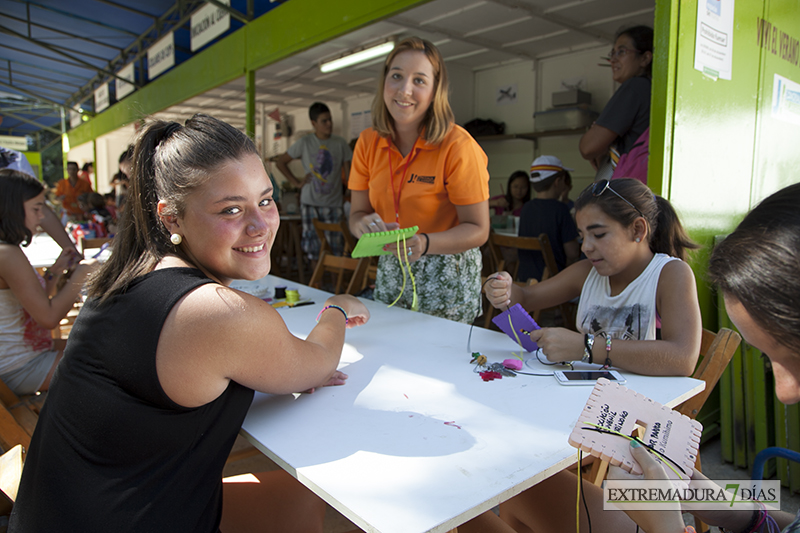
[(598, 188)]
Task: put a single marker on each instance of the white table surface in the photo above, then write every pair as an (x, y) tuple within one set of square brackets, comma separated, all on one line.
[(416, 441), (43, 251)]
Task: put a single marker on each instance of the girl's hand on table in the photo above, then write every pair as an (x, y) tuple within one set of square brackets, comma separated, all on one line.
[(338, 378), (559, 344), (357, 312), (498, 290), (670, 520)]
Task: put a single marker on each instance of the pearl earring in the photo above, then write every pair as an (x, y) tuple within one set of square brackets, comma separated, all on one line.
[(637, 239), (175, 239)]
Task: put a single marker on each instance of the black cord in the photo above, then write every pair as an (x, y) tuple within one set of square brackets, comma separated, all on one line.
[(469, 338), (583, 492), (640, 441)]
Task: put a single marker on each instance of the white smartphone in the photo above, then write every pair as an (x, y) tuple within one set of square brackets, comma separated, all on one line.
[(586, 377)]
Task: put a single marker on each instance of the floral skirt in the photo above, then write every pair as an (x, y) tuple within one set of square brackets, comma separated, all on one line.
[(448, 286)]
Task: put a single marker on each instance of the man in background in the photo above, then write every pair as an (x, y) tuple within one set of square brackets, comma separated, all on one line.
[(70, 188), (324, 156)]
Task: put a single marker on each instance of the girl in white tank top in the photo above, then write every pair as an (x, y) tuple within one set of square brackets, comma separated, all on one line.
[(633, 275)]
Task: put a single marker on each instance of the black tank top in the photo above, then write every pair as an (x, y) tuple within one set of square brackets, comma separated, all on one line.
[(111, 451)]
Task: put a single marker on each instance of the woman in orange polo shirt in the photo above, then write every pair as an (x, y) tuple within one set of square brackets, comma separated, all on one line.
[(415, 166)]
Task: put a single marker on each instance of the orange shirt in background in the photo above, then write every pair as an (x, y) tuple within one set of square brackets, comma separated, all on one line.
[(70, 194), (438, 178)]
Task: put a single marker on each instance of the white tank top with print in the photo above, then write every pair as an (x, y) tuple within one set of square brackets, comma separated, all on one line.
[(629, 315)]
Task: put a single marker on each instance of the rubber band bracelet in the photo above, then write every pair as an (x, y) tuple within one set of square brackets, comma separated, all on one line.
[(332, 307), (427, 243)]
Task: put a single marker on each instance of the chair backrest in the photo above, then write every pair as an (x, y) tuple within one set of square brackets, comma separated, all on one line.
[(88, 244), (716, 351), (337, 227), (18, 417), (540, 243), (338, 266), (10, 473)]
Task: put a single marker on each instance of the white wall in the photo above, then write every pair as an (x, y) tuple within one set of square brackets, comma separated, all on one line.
[(109, 147), (534, 93)]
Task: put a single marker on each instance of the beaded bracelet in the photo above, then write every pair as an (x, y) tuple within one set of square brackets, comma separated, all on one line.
[(427, 243), (333, 307)]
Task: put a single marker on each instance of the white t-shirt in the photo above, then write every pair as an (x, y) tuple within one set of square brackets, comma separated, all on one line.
[(323, 159)]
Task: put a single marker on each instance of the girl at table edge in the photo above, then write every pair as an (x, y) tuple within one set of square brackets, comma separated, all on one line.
[(755, 269), (414, 134), (200, 214), (635, 247), (31, 305)]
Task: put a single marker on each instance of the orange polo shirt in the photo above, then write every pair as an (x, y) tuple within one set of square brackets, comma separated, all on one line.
[(438, 178), (70, 194)]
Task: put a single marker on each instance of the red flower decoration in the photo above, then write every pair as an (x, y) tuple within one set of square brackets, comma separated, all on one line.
[(489, 375)]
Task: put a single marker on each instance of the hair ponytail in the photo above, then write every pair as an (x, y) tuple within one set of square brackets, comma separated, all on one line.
[(169, 162), (669, 237), (633, 200)]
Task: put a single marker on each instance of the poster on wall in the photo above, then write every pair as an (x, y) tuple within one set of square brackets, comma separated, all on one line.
[(161, 56), (359, 121), (785, 100), (714, 39), (506, 94), (209, 22), (101, 98), (124, 88)]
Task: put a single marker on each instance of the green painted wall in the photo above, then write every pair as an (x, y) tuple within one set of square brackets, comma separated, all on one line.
[(281, 32), (722, 150)]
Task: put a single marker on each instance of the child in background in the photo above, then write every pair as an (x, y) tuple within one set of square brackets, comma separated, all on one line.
[(547, 213), (28, 356), (518, 191), (99, 217)]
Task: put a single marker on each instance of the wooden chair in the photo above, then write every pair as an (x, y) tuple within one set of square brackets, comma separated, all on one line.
[(339, 266), (18, 417), (334, 227), (716, 351), (10, 473), (88, 244), (541, 244)]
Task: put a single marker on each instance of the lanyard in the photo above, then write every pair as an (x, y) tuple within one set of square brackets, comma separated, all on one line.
[(396, 199)]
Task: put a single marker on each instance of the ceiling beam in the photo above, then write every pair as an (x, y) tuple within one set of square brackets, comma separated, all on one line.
[(543, 14), (235, 14), (23, 119), (51, 87), (18, 73), (62, 32), (474, 40), (31, 65), (138, 48), (128, 8), (46, 46), (37, 96), (43, 56), (74, 16)]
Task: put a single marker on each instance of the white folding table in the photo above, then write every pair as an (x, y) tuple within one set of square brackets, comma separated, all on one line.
[(416, 441)]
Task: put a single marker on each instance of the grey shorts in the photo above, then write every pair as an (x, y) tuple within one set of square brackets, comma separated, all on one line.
[(28, 378)]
